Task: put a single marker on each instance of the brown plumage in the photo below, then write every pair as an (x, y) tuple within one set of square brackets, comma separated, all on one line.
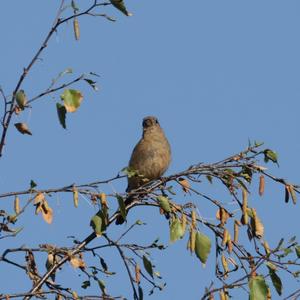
[(150, 157)]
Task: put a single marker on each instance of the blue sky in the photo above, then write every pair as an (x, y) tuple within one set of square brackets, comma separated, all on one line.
[(215, 73)]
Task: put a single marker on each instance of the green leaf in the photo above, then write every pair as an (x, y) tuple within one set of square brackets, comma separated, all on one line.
[(271, 266), (164, 203), (92, 83), (176, 230), (209, 178), (98, 223), (297, 250), (246, 173), (280, 243), (21, 99), (130, 172), (74, 6), (202, 246), (72, 99), (66, 71), (85, 284), (103, 264), (61, 112), (101, 284), (270, 155), (275, 280), (122, 206), (139, 222), (141, 294), (120, 5), (292, 239), (258, 288), (32, 184), (148, 266), (258, 143)]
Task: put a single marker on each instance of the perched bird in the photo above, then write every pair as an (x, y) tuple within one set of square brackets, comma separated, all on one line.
[(150, 157)]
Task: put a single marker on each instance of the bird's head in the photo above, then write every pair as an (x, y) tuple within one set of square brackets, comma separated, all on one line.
[(149, 122)]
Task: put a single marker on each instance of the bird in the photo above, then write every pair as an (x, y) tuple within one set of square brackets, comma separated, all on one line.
[(150, 158)]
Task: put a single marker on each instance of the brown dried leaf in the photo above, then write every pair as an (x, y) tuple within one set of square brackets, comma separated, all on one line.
[(184, 184), (245, 218), (236, 231), (47, 212), (287, 194), (261, 188), (31, 265), (23, 128), (77, 262), (39, 198), (49, 263), (257, 224), (222, 215), (103, 201)]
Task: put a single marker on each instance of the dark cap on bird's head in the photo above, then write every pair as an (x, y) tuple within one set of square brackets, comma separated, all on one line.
[(150, 121)]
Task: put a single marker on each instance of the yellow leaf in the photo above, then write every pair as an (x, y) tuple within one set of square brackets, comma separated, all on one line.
[(266, 247), (76, 29), (137, 274), (17, 205), (75, 295), (23, 128), (194, 219), (225, 265), (103, 201), (192, 240), (21, 99), (225, 237), (75, 196), (72, 99), (39, 198), (47, 212), (183, 222), (229, 245), (291, 189), (257, 224)]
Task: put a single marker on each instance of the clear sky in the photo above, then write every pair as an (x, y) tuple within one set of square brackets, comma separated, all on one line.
[(215, 73)]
